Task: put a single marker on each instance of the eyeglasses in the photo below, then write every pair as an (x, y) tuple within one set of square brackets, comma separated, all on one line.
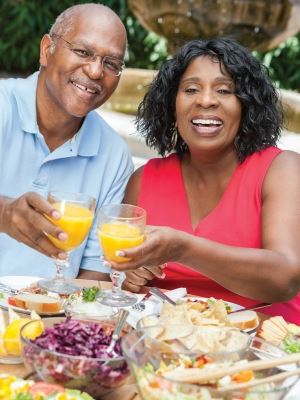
[(111, 65)]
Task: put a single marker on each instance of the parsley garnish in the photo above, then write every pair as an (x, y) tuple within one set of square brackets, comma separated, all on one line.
[(90, 294)]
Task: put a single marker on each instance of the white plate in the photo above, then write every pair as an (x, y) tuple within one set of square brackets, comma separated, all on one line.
[(267, 351), (20, 282)]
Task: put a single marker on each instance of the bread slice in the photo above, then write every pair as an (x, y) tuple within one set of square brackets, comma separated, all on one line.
[(40, 303), (247, 319)]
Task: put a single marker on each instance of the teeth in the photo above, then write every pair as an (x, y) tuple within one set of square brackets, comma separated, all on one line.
[(206, 122), (85, 89)]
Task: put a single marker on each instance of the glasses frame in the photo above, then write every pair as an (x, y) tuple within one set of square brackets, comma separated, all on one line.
[(92, 57)]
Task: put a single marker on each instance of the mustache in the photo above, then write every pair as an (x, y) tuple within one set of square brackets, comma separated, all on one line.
[(87, 83)]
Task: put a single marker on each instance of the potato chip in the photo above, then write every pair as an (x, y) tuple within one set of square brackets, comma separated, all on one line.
[(175, 332)]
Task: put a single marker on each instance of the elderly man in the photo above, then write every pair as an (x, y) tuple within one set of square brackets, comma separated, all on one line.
[(50, 138)]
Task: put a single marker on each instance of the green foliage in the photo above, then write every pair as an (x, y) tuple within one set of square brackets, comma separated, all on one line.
[(23, 23), (284, 63)]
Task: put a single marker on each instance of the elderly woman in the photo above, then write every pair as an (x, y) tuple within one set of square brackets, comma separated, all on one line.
[(224, 206)]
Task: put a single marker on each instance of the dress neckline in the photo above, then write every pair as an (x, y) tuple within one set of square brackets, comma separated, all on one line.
[(215, 209)]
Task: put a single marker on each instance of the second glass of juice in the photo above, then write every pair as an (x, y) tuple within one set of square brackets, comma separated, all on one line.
[(120, 226)]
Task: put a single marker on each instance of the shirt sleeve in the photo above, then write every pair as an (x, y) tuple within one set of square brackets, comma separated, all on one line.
[(91, 255)]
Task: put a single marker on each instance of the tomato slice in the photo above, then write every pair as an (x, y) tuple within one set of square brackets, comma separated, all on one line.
[(45, 388), (12, 301)]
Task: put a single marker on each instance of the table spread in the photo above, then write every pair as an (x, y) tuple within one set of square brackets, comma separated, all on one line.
[(126, 392)]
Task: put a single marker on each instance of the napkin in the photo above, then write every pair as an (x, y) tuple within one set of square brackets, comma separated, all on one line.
[(153, 305)]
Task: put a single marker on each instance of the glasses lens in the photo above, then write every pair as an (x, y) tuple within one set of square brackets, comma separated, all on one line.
[(112, 65)]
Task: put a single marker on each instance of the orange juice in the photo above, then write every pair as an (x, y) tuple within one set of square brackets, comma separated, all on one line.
[(75, 221), (115, 236)]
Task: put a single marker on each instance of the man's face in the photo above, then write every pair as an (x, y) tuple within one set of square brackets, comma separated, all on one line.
[(72, 82)]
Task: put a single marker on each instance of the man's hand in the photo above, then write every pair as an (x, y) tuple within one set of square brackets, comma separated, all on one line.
[(24, 220), (137, 279)]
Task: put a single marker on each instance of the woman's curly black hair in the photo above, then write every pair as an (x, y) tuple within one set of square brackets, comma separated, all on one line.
[(262, 116)]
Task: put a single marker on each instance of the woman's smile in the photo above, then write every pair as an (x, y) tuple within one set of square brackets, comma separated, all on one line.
[(206, 105)]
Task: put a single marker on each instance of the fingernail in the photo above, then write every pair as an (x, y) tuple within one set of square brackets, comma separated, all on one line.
[(120, 253), (62, 236), (55, 214), (163, 266), (62, 256), (163, 276), (106, 264), (101, 258)]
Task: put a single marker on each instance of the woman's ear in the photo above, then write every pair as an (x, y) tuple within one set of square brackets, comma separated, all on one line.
[(45, 48)]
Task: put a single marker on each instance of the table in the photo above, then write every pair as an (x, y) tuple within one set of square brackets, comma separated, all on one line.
[(125, 392)]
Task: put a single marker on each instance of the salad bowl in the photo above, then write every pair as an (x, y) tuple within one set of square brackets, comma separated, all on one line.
[(72, 353), (161, 374)]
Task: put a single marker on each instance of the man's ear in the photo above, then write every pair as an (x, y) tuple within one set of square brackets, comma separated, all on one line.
[(45, 46)]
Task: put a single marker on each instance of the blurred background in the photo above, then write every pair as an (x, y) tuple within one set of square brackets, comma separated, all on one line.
[(155, 29)]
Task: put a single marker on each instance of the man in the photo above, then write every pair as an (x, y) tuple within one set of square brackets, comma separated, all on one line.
[(51, 139)]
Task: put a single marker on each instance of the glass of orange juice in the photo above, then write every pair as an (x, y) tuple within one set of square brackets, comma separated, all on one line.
[(120, 226), (77, 214)]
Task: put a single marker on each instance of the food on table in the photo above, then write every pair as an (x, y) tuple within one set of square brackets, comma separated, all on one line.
[(193, 312), (84, 303), (35, 298), (230, 342), (10, 342), (247, 319), (90, 294), (34, 288), (73, 353), (210, 312), (13, 388), (277, 331), (39, 302)]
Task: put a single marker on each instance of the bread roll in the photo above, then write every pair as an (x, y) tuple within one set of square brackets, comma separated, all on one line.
[(40, 303), (247, 319)]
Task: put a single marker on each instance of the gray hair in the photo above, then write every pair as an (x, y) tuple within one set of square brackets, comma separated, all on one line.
[(64, 23)]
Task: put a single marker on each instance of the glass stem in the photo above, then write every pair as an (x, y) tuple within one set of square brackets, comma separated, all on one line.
[(117, 279), (60, 264)]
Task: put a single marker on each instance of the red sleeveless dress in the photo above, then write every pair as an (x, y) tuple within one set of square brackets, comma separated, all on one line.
[(235, 221)]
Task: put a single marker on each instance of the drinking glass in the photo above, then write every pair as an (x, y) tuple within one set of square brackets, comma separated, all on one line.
[(77, 214), (120, 226)]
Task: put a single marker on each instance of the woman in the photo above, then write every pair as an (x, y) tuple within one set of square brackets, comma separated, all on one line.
[(224, 206)]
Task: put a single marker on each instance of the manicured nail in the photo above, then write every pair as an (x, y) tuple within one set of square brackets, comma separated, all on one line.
[(55, 214), (106, 264), (163, 276), (62, 236), (120, 253), (62, 256)]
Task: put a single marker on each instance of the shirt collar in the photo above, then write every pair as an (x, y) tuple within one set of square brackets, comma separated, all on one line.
[(87, 138), (25, 96)]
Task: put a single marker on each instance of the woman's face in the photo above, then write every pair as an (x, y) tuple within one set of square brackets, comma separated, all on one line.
[(208, 113)]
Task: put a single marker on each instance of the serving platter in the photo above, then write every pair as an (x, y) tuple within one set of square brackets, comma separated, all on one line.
[(20, 282)]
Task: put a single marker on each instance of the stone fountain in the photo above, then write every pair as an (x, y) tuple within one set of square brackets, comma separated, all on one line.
[(258, 24)]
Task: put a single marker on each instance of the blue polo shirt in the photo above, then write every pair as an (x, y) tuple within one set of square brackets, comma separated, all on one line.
[(96, 161)]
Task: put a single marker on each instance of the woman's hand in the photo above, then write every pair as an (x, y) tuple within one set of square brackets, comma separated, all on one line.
[(137, 279), (161, 245)]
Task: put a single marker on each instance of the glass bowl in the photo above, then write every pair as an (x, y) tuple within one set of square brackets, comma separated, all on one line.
[(148, 362), (89, 374), (222, 343)]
